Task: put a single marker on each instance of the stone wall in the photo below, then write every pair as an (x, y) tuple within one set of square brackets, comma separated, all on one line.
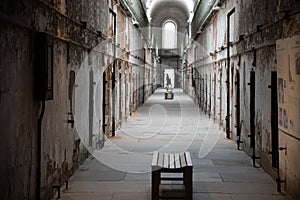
[(254, 28), (61, 148), (73, 121)]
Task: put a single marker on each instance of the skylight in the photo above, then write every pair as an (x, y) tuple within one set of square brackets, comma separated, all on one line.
[(188, 3)]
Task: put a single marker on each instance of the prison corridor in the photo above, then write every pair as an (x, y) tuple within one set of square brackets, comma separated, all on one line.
[(121, 170)]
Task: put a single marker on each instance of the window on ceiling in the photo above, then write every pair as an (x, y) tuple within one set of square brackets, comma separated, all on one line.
[(169, 35)]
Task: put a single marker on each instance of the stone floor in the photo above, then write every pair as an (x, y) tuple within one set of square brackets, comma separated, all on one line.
[(121, 170)]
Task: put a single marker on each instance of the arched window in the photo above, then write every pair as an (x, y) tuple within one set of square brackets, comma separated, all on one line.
[(169, 35)]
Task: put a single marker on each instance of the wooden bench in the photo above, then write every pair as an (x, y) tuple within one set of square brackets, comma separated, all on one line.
[(172, 163), (169, 95)]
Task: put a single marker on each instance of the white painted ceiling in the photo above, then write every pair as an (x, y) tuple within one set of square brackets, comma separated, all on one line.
[(178, 10)]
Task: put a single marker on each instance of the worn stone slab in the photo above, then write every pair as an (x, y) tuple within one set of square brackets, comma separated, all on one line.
[(86, 196), (224, 173), (230, 162), (131, 196), (211, 196), (137, 176), (246, 177), (234, 188), (259, 197), (96, 175), (207, 177)]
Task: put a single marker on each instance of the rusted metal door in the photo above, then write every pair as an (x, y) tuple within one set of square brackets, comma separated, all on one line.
[(252, 109), (91, 106), (238, 107), (215, 95), (274, 120), (252, 117), (104, 103)]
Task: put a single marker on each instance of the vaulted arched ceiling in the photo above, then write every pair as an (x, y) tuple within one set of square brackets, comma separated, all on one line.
[(160, 10)]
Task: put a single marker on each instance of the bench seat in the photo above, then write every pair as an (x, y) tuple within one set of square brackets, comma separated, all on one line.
[(172, 163)]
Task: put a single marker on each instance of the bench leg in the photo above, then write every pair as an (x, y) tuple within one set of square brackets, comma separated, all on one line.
[(188, 183), (155, 184)]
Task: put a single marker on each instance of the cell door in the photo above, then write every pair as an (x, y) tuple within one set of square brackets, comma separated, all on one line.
[(274, 120), (237, 109), (215, 95), (252, 109)]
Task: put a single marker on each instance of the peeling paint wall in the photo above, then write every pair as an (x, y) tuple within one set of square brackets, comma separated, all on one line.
[(134, 72), (18, 114), (255, 27), (74, 120), (62, 148)]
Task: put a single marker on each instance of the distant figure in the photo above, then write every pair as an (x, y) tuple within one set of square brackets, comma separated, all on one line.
[(169, 84)]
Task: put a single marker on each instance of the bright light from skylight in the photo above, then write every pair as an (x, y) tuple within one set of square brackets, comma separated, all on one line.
[(189, 4)]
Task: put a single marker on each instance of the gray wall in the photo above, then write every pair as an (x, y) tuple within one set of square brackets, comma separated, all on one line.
[(211, 62), (76, 49), (62, 149)]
